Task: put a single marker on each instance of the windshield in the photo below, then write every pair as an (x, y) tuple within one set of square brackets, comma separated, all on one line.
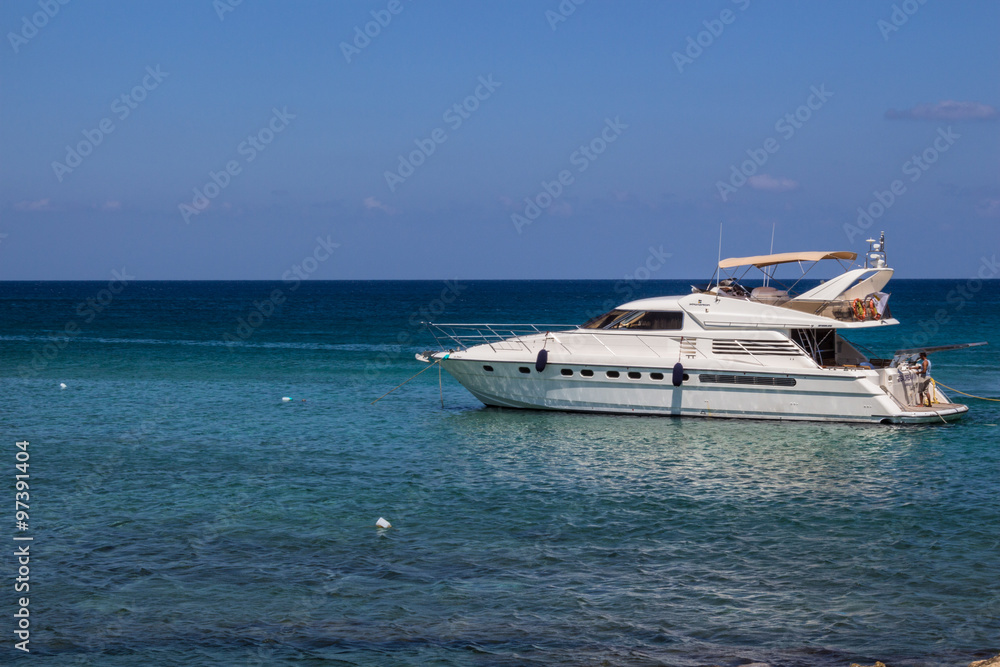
[(601, 321), (652, 320)]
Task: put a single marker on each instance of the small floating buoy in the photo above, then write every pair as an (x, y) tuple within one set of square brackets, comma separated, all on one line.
[(382, 523), (543, 358), (285, 399), (62, 385)]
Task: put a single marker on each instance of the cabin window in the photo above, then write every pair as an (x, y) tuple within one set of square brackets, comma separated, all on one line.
[(567, 371), (524, 369), (612, 374), (635, 375), (653, 320), (648, 320), (488, 369), (656, 376), (587, 373)]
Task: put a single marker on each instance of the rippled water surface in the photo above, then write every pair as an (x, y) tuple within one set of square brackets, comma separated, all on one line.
[(184, 514)]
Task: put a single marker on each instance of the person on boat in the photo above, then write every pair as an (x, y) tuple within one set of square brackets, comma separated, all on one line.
[(924, 381)]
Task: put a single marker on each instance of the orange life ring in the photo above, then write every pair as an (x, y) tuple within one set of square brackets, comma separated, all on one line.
[(859, 310), (873, 309)]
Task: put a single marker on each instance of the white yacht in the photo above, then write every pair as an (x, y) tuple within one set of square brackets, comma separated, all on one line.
[(721, 351)]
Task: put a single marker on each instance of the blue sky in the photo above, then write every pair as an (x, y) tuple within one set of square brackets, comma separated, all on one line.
[(628, 124)]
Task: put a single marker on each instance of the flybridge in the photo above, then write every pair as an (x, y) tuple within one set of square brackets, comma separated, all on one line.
[(854, 298), (768, 263)]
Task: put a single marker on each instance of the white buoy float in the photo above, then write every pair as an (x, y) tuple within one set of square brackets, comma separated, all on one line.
[(382, 523), (285, 399), (62, 385)]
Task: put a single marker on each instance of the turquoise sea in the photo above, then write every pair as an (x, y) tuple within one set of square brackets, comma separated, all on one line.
[(183, 514)]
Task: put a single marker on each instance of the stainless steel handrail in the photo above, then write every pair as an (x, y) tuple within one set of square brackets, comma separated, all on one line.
[(489, 334)]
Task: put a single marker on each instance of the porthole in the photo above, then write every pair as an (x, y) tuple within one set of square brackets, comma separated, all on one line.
[(612, 374), (566, 371), (587, 373), (524, 369), (634, 375), (656, 376), (488, 369)]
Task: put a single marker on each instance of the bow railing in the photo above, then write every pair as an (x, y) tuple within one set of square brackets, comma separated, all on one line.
[(498, 336)]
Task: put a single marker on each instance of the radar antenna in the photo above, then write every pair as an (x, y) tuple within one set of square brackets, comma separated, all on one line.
[(875, 257)]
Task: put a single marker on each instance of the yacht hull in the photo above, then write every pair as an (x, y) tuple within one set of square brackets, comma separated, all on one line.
[(833, 396)]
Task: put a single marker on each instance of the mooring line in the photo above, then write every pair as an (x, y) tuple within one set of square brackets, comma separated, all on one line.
[(981, 398), (404, 382)]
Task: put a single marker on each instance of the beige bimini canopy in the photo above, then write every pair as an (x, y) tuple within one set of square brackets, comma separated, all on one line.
[(785, 257)]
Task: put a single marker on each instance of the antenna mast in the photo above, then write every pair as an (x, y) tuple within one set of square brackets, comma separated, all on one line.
[(717, 268), (767, 276)]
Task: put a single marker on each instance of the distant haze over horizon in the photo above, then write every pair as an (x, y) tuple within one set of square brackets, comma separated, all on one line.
[(554, 139)]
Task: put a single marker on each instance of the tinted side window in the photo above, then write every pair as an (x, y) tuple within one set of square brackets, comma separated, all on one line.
[(658, 320)]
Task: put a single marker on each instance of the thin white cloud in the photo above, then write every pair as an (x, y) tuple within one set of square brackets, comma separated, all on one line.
[(945, 110), (563, 209), (111, 205), (772, 184), (39, 205), (371, 203), (989, 208)]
